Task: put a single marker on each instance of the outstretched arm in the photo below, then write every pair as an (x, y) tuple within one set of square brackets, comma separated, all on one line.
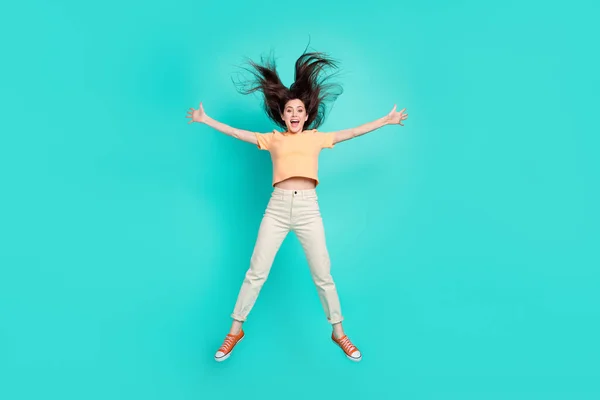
[(393, 118), (200, 116)]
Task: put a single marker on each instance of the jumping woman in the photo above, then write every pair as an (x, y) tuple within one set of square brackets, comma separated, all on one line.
[(298, 110)]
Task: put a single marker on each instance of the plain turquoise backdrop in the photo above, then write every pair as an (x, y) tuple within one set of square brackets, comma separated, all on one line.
[(464, 245)]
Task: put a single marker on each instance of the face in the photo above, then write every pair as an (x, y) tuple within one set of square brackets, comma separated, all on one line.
[(294, 115)]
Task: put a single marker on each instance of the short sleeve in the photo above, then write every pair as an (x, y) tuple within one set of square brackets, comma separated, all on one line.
[(264, 140), (327, 139)]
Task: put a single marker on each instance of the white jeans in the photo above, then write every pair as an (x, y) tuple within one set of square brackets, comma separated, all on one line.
[(297, 211)]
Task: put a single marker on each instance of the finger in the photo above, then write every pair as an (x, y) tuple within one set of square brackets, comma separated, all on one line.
[(404, 109), (394, 109)]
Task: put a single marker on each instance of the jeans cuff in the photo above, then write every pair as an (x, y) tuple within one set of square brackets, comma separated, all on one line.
[(238, 318)]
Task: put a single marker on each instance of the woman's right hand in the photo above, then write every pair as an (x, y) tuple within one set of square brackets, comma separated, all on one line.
[(196, 115)]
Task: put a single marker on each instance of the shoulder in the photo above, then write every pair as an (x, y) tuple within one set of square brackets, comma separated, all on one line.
[(268, 135), (325, 139), (264, 140), (317, 132), (314, 132)]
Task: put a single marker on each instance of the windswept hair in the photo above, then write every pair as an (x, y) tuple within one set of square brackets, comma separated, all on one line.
[(312, 84)]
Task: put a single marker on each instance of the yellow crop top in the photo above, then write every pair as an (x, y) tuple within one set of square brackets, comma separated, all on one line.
[(295, 154)]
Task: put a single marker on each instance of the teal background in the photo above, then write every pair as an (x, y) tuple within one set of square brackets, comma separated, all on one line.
[(464, 245)]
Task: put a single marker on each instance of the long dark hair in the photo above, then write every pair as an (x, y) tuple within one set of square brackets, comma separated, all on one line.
[(312, 84)]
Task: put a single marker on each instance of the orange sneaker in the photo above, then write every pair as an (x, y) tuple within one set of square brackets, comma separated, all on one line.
[(351, 351), (228, 344)]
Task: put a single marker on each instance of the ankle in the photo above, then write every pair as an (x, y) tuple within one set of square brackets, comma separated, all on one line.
[(338, 331), (236, 328)]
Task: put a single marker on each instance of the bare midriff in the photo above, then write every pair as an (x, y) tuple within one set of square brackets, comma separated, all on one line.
[(296, 183)]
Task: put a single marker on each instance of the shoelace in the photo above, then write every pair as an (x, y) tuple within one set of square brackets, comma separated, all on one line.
[(347, 345), (227, 344)]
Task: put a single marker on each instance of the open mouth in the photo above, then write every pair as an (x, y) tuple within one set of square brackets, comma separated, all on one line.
[(294, 123)]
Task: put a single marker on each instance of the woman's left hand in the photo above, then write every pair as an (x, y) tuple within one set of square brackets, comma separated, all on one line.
[(396, 117)]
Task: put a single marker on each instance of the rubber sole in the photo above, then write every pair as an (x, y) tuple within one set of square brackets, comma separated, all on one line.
[(351, 358), (226, 356)]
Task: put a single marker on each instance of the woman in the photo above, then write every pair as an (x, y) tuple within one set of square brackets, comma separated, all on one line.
[(293, 206)]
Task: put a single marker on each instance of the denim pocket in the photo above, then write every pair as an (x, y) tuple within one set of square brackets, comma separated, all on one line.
[(311, 197), (312, 202), (276, 197)]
